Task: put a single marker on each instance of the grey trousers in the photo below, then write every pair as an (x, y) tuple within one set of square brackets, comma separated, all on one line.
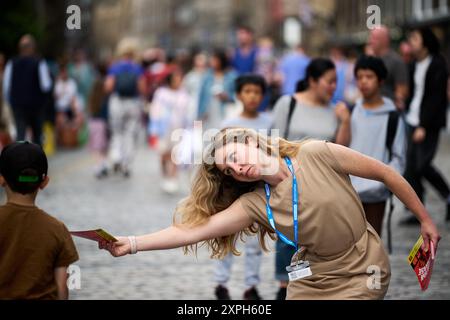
[(124, 121)]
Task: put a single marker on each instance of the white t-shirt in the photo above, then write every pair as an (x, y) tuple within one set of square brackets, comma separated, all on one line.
[(413, 116), (65, 92)]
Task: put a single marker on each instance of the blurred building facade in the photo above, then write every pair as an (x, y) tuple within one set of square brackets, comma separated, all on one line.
[(398, 15), (174, 24), (168, 23), (204, 23), (80, 38), (46, 21)]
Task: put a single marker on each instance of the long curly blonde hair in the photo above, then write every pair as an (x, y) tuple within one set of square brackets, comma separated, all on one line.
[(212, 191)]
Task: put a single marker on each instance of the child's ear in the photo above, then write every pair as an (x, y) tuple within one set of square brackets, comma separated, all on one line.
[(44, 183)]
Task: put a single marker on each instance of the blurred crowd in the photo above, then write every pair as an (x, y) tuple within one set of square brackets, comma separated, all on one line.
[(73, 102)]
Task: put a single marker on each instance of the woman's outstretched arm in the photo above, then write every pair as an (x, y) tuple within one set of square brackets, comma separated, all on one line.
[(226, 222), (357, 164)]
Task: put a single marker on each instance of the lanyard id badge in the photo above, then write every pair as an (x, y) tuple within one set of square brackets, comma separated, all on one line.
[(298, 269)]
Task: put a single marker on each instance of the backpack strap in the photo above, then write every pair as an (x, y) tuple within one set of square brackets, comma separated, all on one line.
[(391, 131), (289, 118), (390, 136)]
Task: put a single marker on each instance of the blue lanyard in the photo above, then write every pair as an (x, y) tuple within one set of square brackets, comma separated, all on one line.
[(294, 208)]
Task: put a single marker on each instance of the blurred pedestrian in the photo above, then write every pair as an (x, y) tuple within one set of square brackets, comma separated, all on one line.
[(244, 56), (351, 92), (309, 114), (126, 84), (36, 248), (291, 69), (98, 122), (217, 91), (158, 65), (169, 112), (2, 71), (396, 85), (368, 50), (69, 116), (406, 52), (250, 89), (338, 58), (25, 82), (193, 81), (7, 129), (82, 72), (266, 64), (375, 113), (426, 114), (266, 60), (148, 61), (49, 145)]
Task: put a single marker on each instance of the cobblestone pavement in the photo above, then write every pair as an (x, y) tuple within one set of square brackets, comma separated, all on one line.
[(137, 206)]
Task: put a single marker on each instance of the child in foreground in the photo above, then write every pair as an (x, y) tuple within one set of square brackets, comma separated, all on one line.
[(36, 248)]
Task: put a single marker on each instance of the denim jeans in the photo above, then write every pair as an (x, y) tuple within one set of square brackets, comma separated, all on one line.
[(253, 254)]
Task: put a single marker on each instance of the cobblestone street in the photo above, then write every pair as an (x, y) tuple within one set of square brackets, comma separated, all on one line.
[(137, 206), (146, 79)]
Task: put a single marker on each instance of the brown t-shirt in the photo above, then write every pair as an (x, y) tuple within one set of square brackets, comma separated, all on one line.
[(32, 245), (340, 245)]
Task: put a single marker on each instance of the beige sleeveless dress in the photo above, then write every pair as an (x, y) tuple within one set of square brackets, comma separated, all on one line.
[(347, 257)]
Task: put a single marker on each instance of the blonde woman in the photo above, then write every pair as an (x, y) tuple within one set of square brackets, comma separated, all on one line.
[(229, 194)]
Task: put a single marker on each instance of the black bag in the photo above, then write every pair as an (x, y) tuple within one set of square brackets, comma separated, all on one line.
[(292, 104), (126, 84), (390, 136)]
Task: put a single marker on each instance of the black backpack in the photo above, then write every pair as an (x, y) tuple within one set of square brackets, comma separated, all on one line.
[(126, 84)]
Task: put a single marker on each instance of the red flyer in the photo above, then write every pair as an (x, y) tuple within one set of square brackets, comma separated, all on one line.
[(422, 262), (94, 235)]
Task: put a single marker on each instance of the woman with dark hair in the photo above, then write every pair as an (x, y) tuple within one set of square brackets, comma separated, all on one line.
[(309, 114), (217, 89), (310, 109), (426, 114)]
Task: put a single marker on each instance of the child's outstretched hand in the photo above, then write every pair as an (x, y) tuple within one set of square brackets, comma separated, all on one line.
[(117, 249), (341, 111)]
